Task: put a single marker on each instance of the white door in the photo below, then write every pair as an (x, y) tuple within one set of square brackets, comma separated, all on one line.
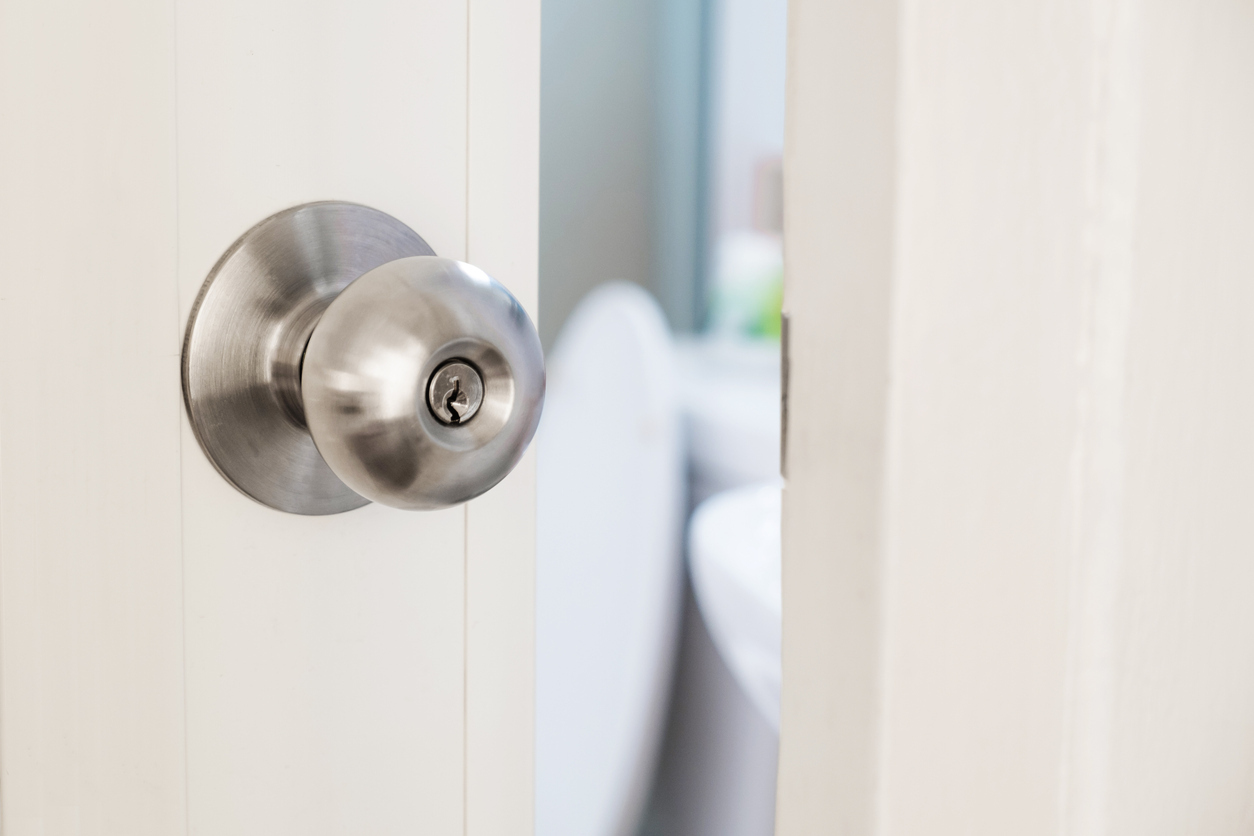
[(174, 657)]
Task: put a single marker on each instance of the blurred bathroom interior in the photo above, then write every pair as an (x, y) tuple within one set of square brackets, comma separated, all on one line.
[(658, 581)]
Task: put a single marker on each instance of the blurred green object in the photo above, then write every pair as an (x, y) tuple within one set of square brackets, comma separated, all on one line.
[(772, 307), (748, 288)]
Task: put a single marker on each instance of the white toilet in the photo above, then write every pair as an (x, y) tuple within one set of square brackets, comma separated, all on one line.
[(609, 567)]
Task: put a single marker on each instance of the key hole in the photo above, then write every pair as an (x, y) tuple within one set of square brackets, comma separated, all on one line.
[(450, 399)]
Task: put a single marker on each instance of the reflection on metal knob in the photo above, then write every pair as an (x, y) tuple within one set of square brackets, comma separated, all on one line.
[(333, 359)]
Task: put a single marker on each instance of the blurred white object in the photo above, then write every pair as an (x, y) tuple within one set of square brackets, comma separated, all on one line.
[(609, 573), (731, 405), (734, 559)]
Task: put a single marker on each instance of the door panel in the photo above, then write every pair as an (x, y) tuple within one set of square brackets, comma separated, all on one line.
[(91, 648), (503, 226), (324, 655)]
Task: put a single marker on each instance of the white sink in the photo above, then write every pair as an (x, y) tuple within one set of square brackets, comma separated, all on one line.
[(734, 560)]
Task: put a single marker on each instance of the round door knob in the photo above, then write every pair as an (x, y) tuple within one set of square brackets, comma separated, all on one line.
[(332, 359), (422, 383)]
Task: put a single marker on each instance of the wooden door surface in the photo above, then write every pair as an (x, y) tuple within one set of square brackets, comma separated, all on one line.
[(174, 657)]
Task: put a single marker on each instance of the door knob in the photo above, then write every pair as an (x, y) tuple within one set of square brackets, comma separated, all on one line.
[(333, 359)]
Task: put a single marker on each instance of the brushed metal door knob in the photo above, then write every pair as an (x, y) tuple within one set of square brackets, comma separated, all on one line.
[(333, 359)]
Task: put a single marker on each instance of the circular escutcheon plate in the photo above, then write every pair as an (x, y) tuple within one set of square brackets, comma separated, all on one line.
[(246, 338)]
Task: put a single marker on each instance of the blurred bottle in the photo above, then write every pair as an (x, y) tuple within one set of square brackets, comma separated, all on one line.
[(748, 287)]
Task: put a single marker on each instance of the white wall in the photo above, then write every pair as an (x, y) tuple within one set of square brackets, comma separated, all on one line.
[(1017, 574), (623, 153), (596, 150)]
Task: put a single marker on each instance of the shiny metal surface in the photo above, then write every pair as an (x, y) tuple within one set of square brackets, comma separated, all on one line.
[(455, 392), (245, 338), (370, 364)]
